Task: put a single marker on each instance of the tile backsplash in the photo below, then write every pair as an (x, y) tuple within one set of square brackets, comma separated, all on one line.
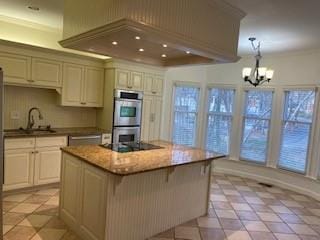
[(18, 101)]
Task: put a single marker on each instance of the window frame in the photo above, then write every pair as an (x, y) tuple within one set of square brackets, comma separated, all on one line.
[(187, 85), (311, 132), (207, 114), (243, 118)]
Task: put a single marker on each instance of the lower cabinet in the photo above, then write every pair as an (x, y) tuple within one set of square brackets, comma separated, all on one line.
[(26, 164), (47, 165), (18, 168), (83, 207)]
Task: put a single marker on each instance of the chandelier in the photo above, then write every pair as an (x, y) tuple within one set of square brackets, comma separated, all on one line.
[(259, 75)]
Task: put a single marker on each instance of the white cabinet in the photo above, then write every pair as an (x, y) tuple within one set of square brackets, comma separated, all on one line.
[(47, 165), (153, 84), (82, 86), (151, 118), (46, 72), (32, 161), (129, 80), (16, 68), (18, 168)]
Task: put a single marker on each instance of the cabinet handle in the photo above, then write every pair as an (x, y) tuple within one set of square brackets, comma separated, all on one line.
[(154, 92), (129, 86), (36, 152), (30, 80), (83, 103)]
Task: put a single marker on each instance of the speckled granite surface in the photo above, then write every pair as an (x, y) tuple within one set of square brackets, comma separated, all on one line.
[(57, 132), (140, 161)]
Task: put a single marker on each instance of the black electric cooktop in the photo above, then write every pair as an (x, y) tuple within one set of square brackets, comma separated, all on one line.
[(131, 146)]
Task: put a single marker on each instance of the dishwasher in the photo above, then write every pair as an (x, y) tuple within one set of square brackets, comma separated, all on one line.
[(94, 139)]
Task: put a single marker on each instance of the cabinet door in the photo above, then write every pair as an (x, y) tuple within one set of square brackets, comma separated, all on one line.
[(122, 79), (92, 220), (18, 168), (73, 80), (157, 85), (93, 87), (146, 117), (156, 119), (46, 72), (47, 165), (136, 81), (16, 68), (147, 84)]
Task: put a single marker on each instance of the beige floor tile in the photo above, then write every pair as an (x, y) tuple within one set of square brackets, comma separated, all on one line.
[(285, 236), (278, 227), (280, 209), (49, 234), (25, 208), (35, 198), (50, 191), (312, 220), (315, 211), (241, 207), (246, 215), (6, 228), (8, 205), (51, 210), (255, 226), (300, 198), (20, 233), (243, 188), (290, 203), (226, 214), (16, 197), (269, 217), (224, 182), (254, 200), (13, 218), (218, 198), (72, 236), (190, 233), (262, 236), (231, 192), (206, 222), (56, 222), (302, 229), (231, 224), (275, 190), (36, 221), (212, 234), (53, 201), (265, 195), (237, 235)]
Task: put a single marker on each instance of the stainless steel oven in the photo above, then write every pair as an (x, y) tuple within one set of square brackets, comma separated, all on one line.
[(126, 134), (127, 108)]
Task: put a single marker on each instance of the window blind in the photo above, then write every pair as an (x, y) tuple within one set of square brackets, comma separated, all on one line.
[(219, 119), (186, 100), (296, 129), (256, 124)]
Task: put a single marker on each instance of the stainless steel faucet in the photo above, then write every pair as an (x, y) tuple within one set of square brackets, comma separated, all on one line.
[(31, 118)]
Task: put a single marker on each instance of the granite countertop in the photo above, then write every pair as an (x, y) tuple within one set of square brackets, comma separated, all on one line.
[(15, 133), (140, 161)]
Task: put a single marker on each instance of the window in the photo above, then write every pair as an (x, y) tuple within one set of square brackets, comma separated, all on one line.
[(185, 115), (256, 124), (219, 119), (296, 129)]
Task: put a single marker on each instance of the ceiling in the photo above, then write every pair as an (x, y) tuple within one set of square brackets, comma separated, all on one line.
[(280, 25)]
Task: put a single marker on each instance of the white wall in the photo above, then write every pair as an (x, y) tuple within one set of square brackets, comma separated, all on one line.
[(291, 69)]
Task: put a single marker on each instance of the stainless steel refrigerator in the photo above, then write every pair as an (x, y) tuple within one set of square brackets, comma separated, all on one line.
[(1, 146)]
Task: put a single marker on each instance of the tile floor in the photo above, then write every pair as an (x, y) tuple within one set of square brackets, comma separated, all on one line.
[(240, 209)]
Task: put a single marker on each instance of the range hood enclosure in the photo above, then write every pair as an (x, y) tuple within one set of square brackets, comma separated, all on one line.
[(195, 31)]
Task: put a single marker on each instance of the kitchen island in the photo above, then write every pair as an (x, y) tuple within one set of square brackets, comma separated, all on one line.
[(107, 195)]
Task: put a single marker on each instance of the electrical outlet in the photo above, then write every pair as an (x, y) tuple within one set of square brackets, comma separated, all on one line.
[(14, 115)]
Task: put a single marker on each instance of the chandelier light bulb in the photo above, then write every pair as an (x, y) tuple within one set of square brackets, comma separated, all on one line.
[(262, 71), (246, 72), (269, 74)]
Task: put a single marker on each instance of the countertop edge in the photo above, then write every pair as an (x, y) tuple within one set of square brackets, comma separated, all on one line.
[(138, 172)]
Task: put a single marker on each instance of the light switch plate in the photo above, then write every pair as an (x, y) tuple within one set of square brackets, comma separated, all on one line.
[(15, 115)]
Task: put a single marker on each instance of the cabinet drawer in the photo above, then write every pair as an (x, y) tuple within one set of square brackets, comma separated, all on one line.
[(18, 143), (51, 141)]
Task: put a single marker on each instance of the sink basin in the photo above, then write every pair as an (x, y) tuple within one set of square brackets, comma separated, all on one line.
[(32, 131)]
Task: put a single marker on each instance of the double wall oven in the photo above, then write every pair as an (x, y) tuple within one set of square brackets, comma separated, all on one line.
[(127, 116)]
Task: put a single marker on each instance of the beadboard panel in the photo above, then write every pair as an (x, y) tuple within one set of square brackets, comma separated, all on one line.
[(148, 204), (220, 18), (21, 99)]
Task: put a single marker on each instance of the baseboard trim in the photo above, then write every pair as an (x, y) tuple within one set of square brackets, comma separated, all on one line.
[(296, 183)]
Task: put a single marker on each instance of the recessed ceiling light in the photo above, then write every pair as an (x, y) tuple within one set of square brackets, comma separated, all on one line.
[(163, 55), (34, 8), (137, 37), (164, 45), (141, 50), (115, 43), (187, 52)]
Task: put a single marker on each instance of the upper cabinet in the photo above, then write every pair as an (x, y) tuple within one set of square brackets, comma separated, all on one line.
[(82, 86), (16, 68), (129, 80), (46, 72), (153, 84)]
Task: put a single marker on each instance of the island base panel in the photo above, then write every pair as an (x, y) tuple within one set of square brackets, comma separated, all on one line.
[(133, 207)]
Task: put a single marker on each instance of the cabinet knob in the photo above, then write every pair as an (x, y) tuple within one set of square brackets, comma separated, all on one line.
[(129, 86), (154, 92), (30, 80), (83, 103)]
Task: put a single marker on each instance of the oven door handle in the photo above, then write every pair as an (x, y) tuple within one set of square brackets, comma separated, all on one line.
[(85, 137)]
